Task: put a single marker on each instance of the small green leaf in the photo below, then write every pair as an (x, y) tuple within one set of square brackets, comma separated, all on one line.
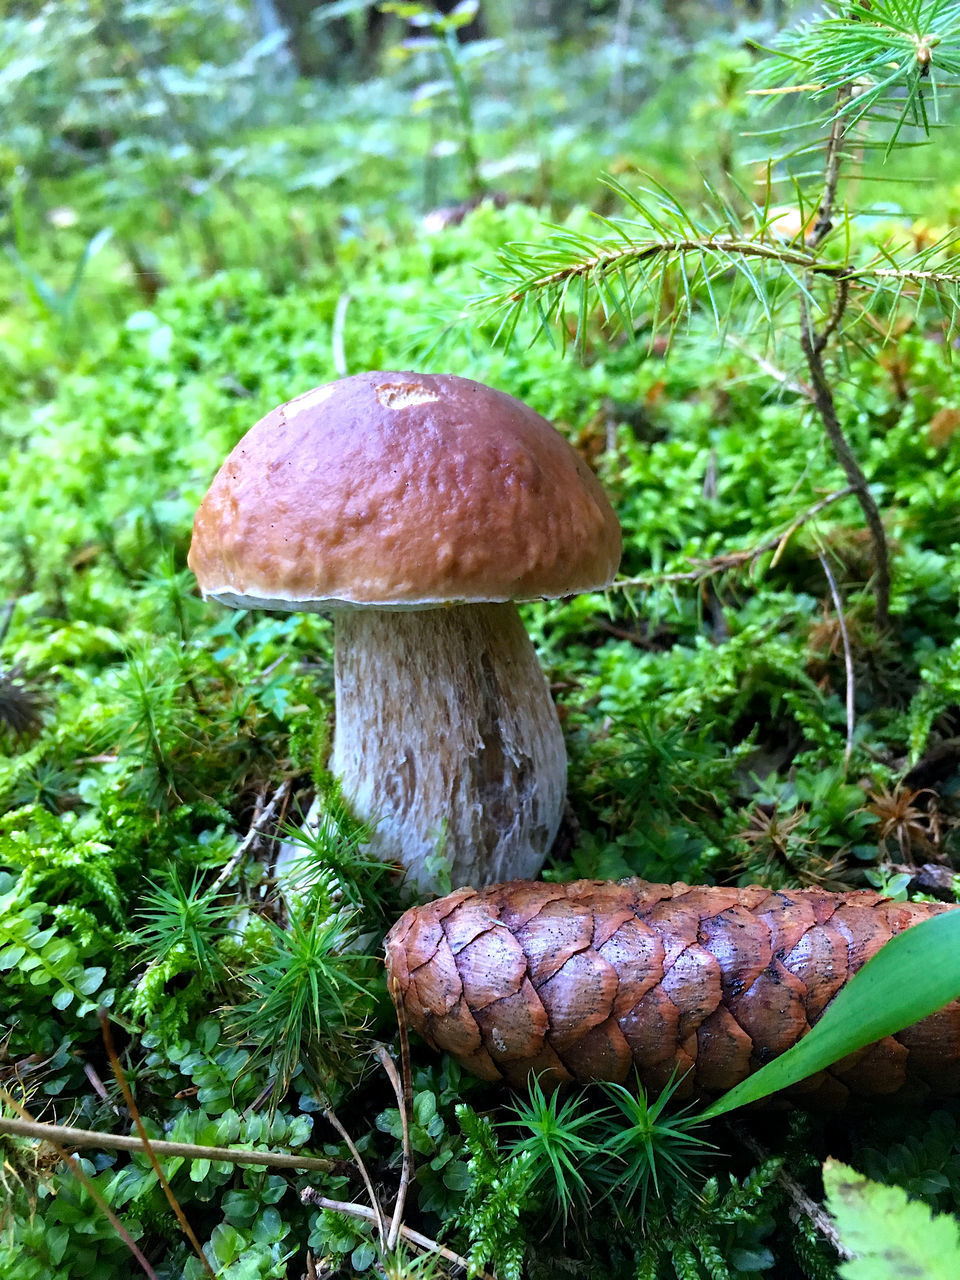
[(91, 980), (226, 1241), (11, 956), (363, 1256)]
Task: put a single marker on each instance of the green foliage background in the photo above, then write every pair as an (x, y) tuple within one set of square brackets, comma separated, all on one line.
[(192, 234)]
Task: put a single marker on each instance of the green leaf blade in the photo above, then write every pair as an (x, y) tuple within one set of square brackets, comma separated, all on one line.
[(916, 973)]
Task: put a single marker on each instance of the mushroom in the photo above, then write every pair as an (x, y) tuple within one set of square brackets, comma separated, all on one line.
[(418, 508)]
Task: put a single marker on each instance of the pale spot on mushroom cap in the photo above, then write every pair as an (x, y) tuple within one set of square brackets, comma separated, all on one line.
[(403, 395), (309, 400)]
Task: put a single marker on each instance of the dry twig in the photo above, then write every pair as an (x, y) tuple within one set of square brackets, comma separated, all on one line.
[(128, 1098), (804, 1204), (67, 1136), (279, 798), (847, 656), (331, 1117), (404, 1095), (735, 559), (309, 1196)]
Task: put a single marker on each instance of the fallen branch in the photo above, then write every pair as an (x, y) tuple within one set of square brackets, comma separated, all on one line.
[(804, 1204), (309, 1196), (67, 1136)]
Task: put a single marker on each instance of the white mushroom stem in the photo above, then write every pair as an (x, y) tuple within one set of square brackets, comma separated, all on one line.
[(447, 740)]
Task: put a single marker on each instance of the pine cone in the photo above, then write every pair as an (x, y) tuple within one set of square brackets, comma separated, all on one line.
[(586, 981)]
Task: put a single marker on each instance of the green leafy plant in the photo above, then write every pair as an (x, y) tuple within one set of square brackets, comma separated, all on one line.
[(455, 58), (187, 917), (886, 1235), (552, 1137)]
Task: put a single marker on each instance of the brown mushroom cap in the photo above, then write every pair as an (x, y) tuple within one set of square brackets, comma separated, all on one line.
[(402, 490)]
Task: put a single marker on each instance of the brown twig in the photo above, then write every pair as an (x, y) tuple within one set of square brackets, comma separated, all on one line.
[(804, 1204), (279, 797), (128, 1098), (833, 320), (99, 1088), (735, 559), (70, 1137), (406, 1072), (847, 656), (74, 1167), (377, 1213), (309, 1196), (406, 1171), (838, 132), (826, 408)]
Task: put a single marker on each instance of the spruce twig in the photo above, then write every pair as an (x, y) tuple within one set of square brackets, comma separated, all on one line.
[(608, 260)]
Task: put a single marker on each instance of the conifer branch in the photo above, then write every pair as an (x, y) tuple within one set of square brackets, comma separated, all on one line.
[(838, 132), (605, 262)]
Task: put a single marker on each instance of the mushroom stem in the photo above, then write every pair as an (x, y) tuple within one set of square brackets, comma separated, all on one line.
[(447, 740)]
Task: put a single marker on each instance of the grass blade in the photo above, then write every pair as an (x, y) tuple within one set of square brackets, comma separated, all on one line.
[(913, 975)]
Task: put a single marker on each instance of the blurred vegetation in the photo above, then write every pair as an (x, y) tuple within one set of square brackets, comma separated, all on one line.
[(208, 208)]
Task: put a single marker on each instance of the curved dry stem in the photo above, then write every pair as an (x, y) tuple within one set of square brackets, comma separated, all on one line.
[(825, 405)]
